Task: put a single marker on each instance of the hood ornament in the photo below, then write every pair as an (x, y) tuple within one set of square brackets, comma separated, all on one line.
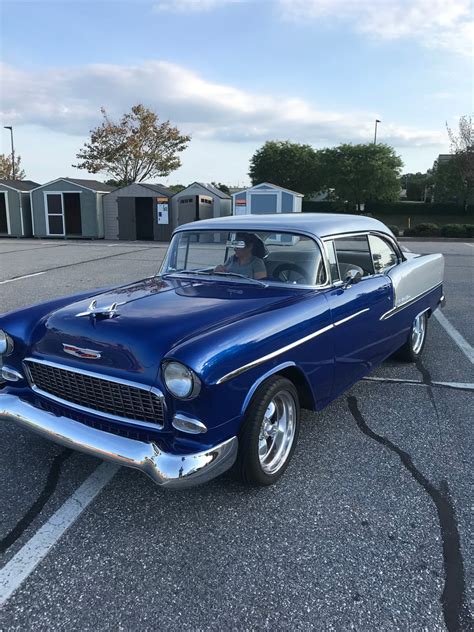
[(108, 311), (79, 352)]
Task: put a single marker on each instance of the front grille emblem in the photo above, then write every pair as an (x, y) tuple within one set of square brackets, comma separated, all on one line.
[(78, 352)]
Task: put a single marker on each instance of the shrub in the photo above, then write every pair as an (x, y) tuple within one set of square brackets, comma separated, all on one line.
[(469, 228), (454, 230), (395, 230), (423, 230)]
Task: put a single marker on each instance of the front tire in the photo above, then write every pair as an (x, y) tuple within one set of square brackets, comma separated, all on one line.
[(269, 432), (413, 347)]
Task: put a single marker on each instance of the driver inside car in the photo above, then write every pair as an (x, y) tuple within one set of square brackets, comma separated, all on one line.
[(247, 258)]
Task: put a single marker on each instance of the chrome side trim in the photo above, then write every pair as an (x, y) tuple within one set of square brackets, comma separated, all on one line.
[(168, 470), (398, 308), (93, 411), (183, 423), (292, 345)]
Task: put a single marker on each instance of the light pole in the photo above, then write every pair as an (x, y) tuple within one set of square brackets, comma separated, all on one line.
[(375, 135), (13, 150)]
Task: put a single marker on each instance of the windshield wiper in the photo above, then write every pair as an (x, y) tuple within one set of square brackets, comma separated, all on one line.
[(212, 273)]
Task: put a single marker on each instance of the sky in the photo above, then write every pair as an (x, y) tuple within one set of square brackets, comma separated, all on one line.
[(233, 74)]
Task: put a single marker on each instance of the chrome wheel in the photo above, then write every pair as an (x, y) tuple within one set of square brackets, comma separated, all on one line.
[(418, 333), (277, 432)]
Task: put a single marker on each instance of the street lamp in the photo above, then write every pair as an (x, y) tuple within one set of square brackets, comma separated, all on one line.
[(375, 135), (13, 150)]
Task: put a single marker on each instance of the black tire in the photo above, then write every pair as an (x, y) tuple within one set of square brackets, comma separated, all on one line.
[(284, 271), (410, 352), (248, 467)]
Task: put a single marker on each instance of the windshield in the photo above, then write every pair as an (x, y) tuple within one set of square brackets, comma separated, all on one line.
[(255, 255)]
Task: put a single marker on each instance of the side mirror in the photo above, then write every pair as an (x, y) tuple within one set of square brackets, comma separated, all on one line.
[(352, 276)]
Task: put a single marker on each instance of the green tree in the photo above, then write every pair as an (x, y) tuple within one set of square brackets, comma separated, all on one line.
[(176, 188), (222, 187), (416, 185), (462, 148), (449, 184), (286, 164), (359, 173), (6, 168), (135, 149)]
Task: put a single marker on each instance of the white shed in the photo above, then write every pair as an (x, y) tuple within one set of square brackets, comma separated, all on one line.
[(199, 200), (266, 198)]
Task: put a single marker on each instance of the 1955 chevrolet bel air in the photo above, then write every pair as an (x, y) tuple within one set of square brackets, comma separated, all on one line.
[(204, 367)]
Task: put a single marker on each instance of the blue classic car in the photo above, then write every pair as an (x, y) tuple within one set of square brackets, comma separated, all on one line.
[(204, 367)]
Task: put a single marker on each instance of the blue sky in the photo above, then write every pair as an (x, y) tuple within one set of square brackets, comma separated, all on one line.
[(234, 73)]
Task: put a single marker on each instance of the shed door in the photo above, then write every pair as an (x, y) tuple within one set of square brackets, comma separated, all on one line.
[(72, 213), (54, 208), (3, 213), (126, 218), (144, 218)]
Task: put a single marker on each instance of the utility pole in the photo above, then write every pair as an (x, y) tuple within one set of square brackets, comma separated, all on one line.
[(375, 135), (13, 150)]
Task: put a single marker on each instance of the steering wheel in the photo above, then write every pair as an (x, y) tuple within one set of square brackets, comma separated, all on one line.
[(290, 273)]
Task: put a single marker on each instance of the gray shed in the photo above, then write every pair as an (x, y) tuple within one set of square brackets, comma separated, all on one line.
[(69, 207), (15, 212), (138, 211), (199, 201)]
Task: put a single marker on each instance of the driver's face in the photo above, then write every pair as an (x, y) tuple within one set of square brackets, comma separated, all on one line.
[(241, 253)]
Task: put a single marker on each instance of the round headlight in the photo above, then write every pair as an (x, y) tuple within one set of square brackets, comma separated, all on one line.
[(6, 343), (180, 381)]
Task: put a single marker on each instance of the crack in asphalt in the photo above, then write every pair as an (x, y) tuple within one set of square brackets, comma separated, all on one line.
[(456, 613), (40, 502), (428, 380)]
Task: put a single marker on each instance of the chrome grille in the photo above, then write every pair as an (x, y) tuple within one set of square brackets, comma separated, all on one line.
[(96, 394)]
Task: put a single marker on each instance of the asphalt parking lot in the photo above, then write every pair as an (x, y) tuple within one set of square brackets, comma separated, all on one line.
[(371, 528)]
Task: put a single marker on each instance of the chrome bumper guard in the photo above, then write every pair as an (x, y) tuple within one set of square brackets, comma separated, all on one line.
[(167, 470)]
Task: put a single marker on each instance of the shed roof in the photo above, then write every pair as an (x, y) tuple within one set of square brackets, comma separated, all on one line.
[(19, 185), (272, 186), (92, 185), (205, 185), (319, 224)]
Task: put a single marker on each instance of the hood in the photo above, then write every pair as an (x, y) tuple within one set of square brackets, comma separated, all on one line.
[(152, 317)]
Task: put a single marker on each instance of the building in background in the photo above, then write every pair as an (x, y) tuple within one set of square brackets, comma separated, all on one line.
[(139, 211), (266, 198), (198, 201), (15, 210), (69, 207)]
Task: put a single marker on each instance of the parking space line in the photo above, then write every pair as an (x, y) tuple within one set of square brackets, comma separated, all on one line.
[(466, 244), (25, 276), (463, 386), (14, 573), (461, 342)]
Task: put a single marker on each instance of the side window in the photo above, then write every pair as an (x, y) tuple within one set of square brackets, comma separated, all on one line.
[(384, 256), (331, 255), (353, 253)]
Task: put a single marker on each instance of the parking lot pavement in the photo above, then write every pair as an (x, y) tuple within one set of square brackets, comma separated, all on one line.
[(370, 528)]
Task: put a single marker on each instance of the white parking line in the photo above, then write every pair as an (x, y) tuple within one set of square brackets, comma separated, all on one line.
[(466, 244), (461, 342), (25, 276), (14, 573), (464, 386)]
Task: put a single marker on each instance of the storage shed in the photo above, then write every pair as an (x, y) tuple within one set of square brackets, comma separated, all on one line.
[(15, 211), (69, 207), (199, 201), (266, 198), (138, 211)]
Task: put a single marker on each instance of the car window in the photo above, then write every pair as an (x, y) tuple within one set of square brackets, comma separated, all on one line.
[(353, 253), (270, 255), (331, 255), (384, 256)]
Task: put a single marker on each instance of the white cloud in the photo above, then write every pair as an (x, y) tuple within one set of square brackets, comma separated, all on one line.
[(445, 24), (69, 100)]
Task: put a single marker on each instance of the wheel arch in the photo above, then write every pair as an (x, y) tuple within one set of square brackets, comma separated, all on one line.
[(296, 377)]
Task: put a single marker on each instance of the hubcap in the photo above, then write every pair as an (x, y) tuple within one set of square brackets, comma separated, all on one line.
[(277, 432), (418, 333)]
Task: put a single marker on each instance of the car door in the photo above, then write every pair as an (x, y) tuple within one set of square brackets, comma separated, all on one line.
[(356, 309)]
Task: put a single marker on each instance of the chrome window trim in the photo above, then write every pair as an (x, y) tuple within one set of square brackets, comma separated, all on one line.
[(379, 233), (286, 348), (315, 238), (411, 301), (101, 376)]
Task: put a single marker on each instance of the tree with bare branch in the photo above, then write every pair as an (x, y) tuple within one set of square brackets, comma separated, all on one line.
[(136, 148), (462, 148)]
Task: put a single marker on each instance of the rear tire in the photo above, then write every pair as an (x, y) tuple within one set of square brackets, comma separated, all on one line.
[(269, 432), (413, 347)]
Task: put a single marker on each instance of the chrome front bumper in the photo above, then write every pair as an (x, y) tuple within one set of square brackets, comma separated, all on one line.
[(167, 470)]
